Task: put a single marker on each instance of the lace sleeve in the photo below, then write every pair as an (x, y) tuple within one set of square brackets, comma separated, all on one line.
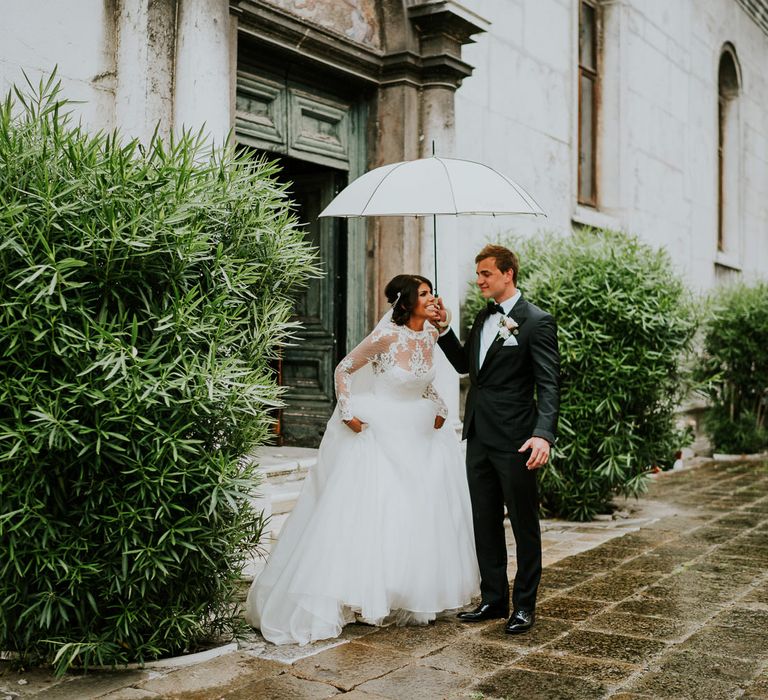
[(368, 350), (431, 393)]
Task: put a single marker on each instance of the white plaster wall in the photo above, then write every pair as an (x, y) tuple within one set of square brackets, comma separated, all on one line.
[(518, 112), (515, 113), (145, 58), (131, 65), (205, 69), (78, 37)]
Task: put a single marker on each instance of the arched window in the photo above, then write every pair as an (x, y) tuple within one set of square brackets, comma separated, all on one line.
[(728, 153)]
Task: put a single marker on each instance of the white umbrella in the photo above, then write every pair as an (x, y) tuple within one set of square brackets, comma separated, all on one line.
[(429, 187)]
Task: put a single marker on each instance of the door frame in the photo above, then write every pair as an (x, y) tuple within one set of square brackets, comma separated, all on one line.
[(277, 89)]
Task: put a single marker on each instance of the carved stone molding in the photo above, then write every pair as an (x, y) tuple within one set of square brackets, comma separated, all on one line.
[(442, 26), (289, 33)]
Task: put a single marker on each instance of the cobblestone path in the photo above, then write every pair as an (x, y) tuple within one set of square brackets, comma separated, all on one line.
[(677, 609)]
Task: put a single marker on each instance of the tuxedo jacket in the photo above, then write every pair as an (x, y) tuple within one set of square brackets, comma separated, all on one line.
[(515, 395)]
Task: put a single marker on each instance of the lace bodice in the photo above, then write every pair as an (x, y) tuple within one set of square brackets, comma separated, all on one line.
[(401, 360)]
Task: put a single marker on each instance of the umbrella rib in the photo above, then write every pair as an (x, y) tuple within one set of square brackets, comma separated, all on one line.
[(450, 184), (517, 187), (375, 189), (525, 195)]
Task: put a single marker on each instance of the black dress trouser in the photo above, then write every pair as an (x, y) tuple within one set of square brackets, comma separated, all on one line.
[(495, 479)]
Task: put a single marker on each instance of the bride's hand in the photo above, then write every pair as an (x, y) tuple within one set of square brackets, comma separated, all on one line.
[(355, 424), (439, 422)]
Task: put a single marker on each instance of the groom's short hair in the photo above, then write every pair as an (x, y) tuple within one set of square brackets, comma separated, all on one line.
[(505, 258)]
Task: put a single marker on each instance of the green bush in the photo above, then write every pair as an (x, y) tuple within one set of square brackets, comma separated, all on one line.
[(624, 324), (143, 294), (733, 368)]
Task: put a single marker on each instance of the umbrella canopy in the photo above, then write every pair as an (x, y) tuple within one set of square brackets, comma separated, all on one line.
[(432, 186)]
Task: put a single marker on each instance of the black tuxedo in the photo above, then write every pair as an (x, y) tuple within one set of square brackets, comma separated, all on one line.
[(512, 397)]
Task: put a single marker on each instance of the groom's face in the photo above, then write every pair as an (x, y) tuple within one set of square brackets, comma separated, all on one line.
[(493, 283)]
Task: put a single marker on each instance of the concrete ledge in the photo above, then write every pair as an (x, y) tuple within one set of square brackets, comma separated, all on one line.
[(740, 458)]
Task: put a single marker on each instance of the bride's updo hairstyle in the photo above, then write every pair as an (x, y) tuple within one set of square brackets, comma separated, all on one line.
[(407, 286)]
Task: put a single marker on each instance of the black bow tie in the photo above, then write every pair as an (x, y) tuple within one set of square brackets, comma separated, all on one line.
[(494, 308)]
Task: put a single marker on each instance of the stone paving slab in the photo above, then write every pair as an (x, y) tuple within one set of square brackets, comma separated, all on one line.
[(283, 687), (534, 685), (671, 602), (232, 672), (471, 657), (417, 681), (564, 664), (348, 665)]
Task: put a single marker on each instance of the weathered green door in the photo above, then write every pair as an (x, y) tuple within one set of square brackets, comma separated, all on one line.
[(307, 366), (316, 130)]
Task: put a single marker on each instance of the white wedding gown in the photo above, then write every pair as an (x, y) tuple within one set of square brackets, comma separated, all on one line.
[(383, 525)]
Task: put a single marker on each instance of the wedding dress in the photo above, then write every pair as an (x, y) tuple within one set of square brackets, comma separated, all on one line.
[(383, 525)]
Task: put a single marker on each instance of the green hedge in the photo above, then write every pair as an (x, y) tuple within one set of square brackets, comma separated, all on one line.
[(144, 292), (733, 368), (624, 324)]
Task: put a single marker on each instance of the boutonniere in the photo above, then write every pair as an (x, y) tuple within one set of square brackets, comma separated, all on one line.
[(507, 326)]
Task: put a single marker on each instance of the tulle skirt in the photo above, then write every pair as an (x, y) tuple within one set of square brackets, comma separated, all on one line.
[(382, 529)]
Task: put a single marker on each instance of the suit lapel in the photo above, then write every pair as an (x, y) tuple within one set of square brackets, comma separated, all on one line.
[(475, 336), (519, 312)]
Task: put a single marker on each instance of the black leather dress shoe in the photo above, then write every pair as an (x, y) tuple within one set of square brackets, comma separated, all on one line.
[(484, 611), (521, 621)]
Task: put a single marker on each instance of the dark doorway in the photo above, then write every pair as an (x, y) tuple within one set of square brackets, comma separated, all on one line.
[(312, 121), (306, 368)]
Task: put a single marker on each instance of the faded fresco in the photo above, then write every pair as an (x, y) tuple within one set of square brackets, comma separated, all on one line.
[(355, 19)]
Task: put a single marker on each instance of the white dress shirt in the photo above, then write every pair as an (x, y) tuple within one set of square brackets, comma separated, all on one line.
[(491, 326)]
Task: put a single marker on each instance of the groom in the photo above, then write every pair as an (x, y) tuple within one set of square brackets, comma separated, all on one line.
[(510, 421)]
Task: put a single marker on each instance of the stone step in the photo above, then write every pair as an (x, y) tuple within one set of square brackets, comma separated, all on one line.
[(283, 495), (282, 471), (281, 463), (276, 523)]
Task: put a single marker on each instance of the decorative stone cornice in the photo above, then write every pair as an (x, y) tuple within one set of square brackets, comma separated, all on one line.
[(401, 67), (446, 17), (282, 30), (443, 26)]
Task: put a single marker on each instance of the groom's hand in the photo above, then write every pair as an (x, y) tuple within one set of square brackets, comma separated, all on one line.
[(539, 448)]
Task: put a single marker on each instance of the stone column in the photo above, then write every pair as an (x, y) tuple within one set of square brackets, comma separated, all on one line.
[(203, 86), (397, 239), (144, 62), (443, 28), (438, 127)]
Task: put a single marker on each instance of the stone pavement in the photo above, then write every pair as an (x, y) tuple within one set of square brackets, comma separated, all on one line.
[(672, 602)]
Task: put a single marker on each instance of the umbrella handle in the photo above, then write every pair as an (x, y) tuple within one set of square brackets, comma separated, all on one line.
[(434, 246), (434, 234)]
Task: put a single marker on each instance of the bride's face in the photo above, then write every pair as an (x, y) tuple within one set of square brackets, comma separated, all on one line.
[(425, 302)]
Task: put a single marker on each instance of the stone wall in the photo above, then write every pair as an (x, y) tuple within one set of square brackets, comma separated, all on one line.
[(658, 129), (132, 65), (79, 38)]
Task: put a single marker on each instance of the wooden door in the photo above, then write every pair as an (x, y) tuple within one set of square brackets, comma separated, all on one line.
[(307, 366)]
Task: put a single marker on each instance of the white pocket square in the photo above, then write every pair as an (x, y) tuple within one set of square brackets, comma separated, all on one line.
[(509, 342)]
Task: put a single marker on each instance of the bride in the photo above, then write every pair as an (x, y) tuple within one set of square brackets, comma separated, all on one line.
[(382, 530)]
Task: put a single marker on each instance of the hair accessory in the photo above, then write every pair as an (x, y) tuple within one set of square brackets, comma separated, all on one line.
[(397, 298)]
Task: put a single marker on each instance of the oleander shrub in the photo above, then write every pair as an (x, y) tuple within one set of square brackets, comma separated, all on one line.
[(625, 325), (732, 367), (144, 291)]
